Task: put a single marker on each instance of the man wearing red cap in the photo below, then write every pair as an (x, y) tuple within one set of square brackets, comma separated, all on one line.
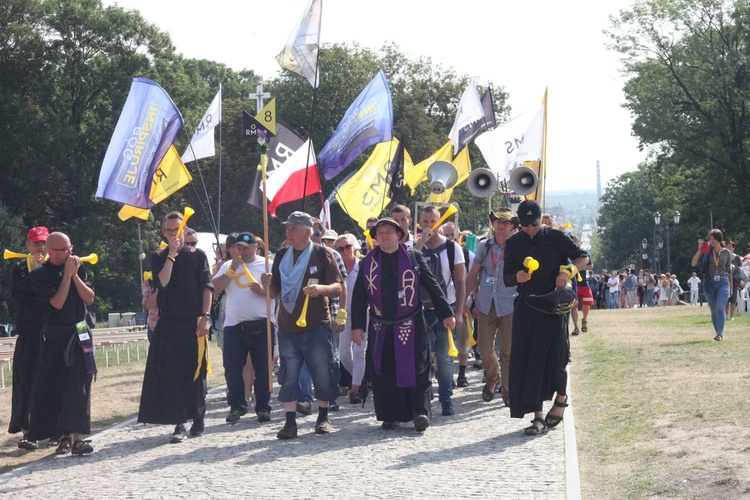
[(29, 331)]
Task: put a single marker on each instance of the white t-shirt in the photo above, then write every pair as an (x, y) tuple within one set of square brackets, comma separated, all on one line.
[(458, 259), (242, 303), (613, 284), (693, 282)]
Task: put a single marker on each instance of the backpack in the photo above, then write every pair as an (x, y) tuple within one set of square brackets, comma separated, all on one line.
[(432, 257)]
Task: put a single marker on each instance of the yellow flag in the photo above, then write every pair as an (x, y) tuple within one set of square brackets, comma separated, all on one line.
[(171, 175), (128, 211), (418, 173), (267, 116), (462, 163), (365, 194)]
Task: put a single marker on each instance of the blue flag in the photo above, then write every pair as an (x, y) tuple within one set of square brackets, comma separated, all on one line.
[(368, 121), (146, 129)]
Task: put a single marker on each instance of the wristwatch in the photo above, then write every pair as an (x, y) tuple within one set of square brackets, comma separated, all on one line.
[(206, 315)]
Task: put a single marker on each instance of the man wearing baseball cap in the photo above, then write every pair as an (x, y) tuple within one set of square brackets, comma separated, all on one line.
[(540, 350), (304, 277), (29, 330), (244, 328)]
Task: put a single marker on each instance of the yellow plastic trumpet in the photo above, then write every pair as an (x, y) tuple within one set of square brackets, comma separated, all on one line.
[(531, 264), (185, 216), (470, 329), (302, 321), (246, 272), (452, 209), (148, 275), (370, 245), (452, 351), (91, 258), (7, 255), (163, 245)]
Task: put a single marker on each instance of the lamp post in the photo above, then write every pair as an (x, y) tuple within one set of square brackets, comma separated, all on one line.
[(668, 230), (644, 255)]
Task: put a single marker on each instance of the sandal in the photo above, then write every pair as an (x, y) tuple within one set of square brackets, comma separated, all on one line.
[(584, 328), (64, 447), (552, 420), (81, 447), (535, 430), (487, 394), (575, 331)]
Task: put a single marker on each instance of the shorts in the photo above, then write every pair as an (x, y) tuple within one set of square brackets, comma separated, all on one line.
[(585, 297)]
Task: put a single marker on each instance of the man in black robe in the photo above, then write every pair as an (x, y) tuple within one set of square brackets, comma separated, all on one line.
[(540, 350), (29, 330), (398, 351), (61, 404), (174, 384)]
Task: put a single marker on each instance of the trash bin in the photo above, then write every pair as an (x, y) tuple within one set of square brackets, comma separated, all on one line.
[(114, 320)]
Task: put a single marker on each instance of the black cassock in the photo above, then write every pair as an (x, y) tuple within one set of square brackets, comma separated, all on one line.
[(394, 404)]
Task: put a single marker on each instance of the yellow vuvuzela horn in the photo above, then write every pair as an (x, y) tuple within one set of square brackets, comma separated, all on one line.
[(246, 272), (470, 329), (302, 321), (185, 216), (370, 245), (452, 209), (452, 351), (531, 264), (91, 259), (7, 255), (148, 275)]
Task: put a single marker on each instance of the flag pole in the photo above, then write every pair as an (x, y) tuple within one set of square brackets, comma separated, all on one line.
[(263, 163), (218, 204), (543, 168)]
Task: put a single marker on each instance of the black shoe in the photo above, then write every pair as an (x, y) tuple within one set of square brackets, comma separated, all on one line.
[(197, 428), (389, 426), (234, 415), (323, 426), (287, 432), (25, 444), (447, 409), (421, 423), (81, 447), (355, 398), (462, 382), (333, 406), (179, 435), (263, 416), (477, 365), (304, 408)]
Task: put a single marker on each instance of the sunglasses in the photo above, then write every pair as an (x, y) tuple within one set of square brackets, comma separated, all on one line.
[(345, 247), (529, 225), (191, 243)]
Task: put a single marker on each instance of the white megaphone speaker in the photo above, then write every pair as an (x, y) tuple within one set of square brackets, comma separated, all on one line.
[(441, 176), (522, 180), (482, 182)]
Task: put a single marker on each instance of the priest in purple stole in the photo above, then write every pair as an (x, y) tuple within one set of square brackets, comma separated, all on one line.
[(398, 353)]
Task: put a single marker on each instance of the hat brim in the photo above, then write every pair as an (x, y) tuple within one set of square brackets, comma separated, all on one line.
[(382, 222)]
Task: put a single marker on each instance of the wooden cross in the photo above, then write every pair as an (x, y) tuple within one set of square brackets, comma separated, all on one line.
[(259, 96)]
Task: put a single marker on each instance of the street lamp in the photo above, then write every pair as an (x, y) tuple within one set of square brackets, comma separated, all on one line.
[(644, 255), (668, 229)]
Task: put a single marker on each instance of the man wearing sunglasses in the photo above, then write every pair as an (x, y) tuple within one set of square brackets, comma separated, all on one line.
[(174, 384), (539, 355)]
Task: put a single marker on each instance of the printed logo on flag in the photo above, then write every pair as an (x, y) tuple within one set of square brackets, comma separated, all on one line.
[(139, 147)]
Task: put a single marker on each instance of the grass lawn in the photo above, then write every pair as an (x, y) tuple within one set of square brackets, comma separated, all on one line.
[(660, 406)]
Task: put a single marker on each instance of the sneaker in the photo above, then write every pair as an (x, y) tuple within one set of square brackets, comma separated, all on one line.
[(287, 432), (333, 406), (81, 447), (234, 415), (421, 423), (263, 416), (304, 408), (448, 409), (197, 428), (323, 426), (179, 435), (355, 398), (25, 444), (462, 382)]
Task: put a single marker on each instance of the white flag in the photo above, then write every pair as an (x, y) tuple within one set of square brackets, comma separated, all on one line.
[(325, 215), (515, 141), (300, 54), (469, 111), (202, 143)]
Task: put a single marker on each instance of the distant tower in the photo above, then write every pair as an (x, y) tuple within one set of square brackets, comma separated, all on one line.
[(598, 183)]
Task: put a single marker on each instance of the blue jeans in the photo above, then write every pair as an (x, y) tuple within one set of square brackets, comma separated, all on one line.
[(439, 341), (305, 384), (315, 348), (613, 300), (239, 341), (650, 292), (717, 299)]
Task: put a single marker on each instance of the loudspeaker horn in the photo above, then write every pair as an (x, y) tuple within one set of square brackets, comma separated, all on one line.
[(482, 182), (522, 180), (441, 175)]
